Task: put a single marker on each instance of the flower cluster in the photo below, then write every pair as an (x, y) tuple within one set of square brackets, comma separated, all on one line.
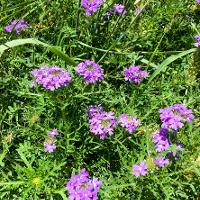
[(49, 146), (91, 71), (134, 74), (51, 78), (80, 187), (130, 123), (198, 1), (197, 43), (16, 25), (161, 161), (101, 123), (91, 6), (140, 170), (174, 116), (118, 9), (160, 140)]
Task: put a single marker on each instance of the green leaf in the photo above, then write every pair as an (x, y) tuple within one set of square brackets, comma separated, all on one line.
[(53, 49), (168, 61)]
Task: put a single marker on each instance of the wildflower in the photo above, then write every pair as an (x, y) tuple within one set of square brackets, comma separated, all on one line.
[(160, 140), (178, 149), (174, 116), (16, 25), (81, 187), (198, 1), (102, 123), (53, 133), (197, 37), (51, 78), (137, 11), (134, 74), (130, 123), (49, 147), (91, 6), (91, 71), (118, 9), (161, 161), (93, 110), (140, 170)]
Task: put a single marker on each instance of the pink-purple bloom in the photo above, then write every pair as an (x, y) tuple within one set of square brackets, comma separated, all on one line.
[(118, 9), (198, 1), (91, 6), (160, 140), (134, 74), (174, 116), (16, 25), (130, 123), (81, 187), (102, 123), (93, 110), (49, 147), (51, 78), (161, 161), (140, 170), (53, 133), (137, 11), (197, 43), (90, 71)]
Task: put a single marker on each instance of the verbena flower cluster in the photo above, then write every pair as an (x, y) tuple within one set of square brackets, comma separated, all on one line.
[(51, 78), (81, 187), (118, 9), (53, 133), (130, 123), (134, 74), (16, 25), (197, 43), (198, 1), (91, 71), (140, 170), (91, 6), (174, 116), (161, 161), (101, 123), (49, 146), (160, 140)]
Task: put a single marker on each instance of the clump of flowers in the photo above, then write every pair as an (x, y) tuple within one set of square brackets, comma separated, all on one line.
[(51, 78), (91, 6), (118, 9), (49, 147), (161, 161), (134, 74), (140, 170), (102, 123), (53, 133), (130, 123), (160, 140), (197, 37), (198, 1), (174, 116), (16, 25), (81, 187), (93, 110), (91, 71)]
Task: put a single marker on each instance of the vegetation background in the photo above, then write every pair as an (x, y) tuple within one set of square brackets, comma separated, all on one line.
[(160, 38)]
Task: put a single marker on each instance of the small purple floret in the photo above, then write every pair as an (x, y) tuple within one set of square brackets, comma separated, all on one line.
[(198, 1), (16, 25), (53, 133), (134, 74), (118, 9), (49, 147), (91, 6), (140, 170), (161, 161)]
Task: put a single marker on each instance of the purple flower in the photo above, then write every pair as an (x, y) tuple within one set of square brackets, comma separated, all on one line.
[(49, 147), (160, 140), (174, 116), (51, 78), (53, 133), (140, 170), (93, 110), (130, 123), (134, 74), (198, 1), (80, 187), (91, 6), (137, 11), (91, 71), (102, 123), (118, 9), (197, 37), (179, 147), (161, 161), (16, 25)]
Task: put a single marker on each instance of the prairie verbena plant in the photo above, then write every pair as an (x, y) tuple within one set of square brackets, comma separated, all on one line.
[(99, 99)]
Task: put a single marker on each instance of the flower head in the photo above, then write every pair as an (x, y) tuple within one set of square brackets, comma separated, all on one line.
[(198, 1), (140, 170), (197, 37), (16, 25), (81, 187), (130, 123), (134, 74), (91, 6), (137, 11), (161, 161), (91, 71), (51, 78), (118, 9), (93, 110), (178, 149), (49, 147), (53, 133), (174, 116)]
